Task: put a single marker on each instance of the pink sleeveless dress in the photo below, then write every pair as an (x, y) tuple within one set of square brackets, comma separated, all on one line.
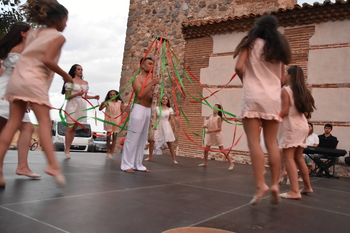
[(261, 97), (215, 138), (31, 79), (295, 126), (113, 110)]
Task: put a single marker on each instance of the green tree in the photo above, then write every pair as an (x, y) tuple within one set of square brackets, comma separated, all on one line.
[(9, 14)]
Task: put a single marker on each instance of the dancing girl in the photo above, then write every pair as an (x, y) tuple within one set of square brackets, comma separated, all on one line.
[(114, 108), (164, 131), (297, 105), (262, 55), (214, 136), (11, 46), (75, 104), (32, 78)]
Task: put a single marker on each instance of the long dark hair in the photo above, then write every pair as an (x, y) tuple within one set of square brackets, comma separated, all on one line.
[(71, 72), (12, 38), (312, 128), (167, 104), (276, 46), (44, 12), (116, 92), (219, 107), (303, 100)]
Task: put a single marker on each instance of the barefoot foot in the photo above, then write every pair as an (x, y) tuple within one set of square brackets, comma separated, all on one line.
[(2, 180), (306, 191), (202, 165), (129, 170), (29, 174), (260, 192), (275, 199), (289, 195), (282, 177), (144, 170), (231, 167), (61, 181)]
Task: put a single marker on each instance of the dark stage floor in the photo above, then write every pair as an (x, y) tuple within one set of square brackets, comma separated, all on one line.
[(101, 198)]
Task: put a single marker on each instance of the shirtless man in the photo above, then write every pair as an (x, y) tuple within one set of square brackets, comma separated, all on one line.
[(136, 138)]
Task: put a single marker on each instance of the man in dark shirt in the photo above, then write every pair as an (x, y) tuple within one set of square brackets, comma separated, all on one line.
[(333, 160)]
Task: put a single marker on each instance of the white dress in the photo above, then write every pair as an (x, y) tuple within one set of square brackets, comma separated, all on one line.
[(164, 130), (9, 64), (76, 105)]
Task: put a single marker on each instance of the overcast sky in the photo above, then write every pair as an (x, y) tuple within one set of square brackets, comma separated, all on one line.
[(95, 37)]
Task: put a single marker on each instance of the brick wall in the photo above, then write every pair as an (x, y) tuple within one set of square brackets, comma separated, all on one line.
[(157, 18), (197, 53), (298, 38)]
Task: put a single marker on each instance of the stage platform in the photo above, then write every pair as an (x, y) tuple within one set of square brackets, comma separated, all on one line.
[(100, 198)]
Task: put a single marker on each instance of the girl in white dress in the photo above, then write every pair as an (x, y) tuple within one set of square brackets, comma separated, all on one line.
[(76, 104), (11, 45), (164, 131)]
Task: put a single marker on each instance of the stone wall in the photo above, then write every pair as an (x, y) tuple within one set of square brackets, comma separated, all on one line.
[(149, 19)]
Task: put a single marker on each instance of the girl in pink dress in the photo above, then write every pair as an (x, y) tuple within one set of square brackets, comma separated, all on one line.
[(114, 108), (297, 105), (31, 79), (214, 136), (260, 65)]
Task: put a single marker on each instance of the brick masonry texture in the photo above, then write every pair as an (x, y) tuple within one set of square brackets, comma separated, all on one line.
[(149, 19)]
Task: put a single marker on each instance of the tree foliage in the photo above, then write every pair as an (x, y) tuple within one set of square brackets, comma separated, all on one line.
[(9, 14)]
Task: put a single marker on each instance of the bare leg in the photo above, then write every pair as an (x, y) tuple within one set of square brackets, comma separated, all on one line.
[(252, 130), (26, 131), (227, 156), (288, 155), (205, 157), (69, 137), (108, 144), (17, 110), (299, 160), (150, 150), (270, 137), (42, 113), (172, 152), (3, 122), (283, 172), (114, 142)]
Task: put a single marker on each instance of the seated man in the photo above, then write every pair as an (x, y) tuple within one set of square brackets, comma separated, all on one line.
[(327, 140)]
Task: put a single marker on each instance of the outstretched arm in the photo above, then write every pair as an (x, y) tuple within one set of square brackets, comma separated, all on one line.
[(217, 129), (102, 106), (92, 96), (69, 94)]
